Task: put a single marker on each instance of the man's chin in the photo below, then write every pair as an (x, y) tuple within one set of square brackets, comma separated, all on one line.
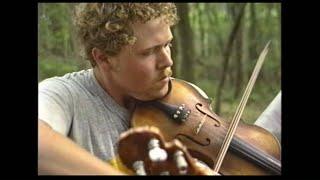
[(155, 94), (162, 93)]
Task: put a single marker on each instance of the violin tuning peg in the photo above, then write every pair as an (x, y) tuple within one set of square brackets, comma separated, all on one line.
[(181, 162), (138, 167), (156, 154)]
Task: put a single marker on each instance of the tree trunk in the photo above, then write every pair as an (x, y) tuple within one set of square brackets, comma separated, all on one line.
[(252, 47), (238, 56), (213, 19), (226, 55), (239, 71), (201, 22), (174, 55), (186, 43), (73, 44)]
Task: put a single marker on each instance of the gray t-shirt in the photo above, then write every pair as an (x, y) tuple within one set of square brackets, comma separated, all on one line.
[(76, 106)]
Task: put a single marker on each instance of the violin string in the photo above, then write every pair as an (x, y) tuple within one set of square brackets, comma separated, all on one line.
[(235, 121)]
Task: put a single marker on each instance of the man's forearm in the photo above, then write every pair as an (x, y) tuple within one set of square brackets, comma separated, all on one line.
[(60, 155)]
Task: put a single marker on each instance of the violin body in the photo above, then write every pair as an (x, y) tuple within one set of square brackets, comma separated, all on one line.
[(185, 114)]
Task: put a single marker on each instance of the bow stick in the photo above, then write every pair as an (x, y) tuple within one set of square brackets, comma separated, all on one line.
[(236, 118)]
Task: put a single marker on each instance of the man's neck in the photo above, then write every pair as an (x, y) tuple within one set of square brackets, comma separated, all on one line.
[(113, 90)]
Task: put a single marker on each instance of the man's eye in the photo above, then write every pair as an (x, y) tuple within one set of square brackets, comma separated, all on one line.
[(147, 53), (169, 44)]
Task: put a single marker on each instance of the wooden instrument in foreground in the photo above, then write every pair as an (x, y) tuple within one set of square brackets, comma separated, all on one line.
[(144, 151)]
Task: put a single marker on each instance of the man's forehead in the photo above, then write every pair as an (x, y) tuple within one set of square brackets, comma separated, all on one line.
[(151, 33)]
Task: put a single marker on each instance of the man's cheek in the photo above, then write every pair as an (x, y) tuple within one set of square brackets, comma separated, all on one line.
[(144, 74)]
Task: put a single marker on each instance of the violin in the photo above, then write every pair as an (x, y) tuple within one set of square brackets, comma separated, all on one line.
[(185, 114)]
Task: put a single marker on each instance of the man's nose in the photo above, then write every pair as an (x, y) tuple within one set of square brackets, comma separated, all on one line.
[(164, 58)]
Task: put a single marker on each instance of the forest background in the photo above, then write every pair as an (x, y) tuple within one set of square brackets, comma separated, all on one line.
[(216, 46)]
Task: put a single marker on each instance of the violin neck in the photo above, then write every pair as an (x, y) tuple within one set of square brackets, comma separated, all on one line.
[(255, 155)]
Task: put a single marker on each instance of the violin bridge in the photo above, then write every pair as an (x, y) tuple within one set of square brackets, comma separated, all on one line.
[(200, 124)]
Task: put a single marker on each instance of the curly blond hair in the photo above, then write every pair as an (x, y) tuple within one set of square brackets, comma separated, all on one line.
[(106, 25)]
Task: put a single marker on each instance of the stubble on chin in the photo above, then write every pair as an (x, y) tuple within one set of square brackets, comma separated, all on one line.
[(161, 92)]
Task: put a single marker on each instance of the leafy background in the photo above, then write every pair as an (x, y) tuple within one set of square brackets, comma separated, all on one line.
[(215, 46)]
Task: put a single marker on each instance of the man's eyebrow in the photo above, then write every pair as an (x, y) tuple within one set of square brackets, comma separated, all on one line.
[(156, 46)]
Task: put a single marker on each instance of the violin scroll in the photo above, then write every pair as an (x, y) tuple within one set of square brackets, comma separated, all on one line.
[(144, 151)]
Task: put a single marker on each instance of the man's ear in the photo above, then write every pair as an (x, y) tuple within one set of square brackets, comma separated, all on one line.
[(99, 56), (102, 59)]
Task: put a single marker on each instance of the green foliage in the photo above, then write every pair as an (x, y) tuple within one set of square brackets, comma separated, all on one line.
[(53, 66), (211, 24), (54, 29), (56, 51), (208, 87)]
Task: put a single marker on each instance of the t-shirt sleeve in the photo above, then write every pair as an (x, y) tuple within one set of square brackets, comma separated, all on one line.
[(270, 119), (55, 105)]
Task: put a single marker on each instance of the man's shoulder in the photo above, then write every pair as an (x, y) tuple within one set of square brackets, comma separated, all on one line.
[(69, 81), (67, 78)]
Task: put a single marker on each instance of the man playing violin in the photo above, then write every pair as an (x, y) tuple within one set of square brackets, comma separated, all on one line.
[(82, 114)]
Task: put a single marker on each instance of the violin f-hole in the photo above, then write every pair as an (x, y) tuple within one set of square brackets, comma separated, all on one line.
[(198, 107), (207, 143)]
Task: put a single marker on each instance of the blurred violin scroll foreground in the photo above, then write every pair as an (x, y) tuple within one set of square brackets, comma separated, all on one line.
[(144, 151)]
